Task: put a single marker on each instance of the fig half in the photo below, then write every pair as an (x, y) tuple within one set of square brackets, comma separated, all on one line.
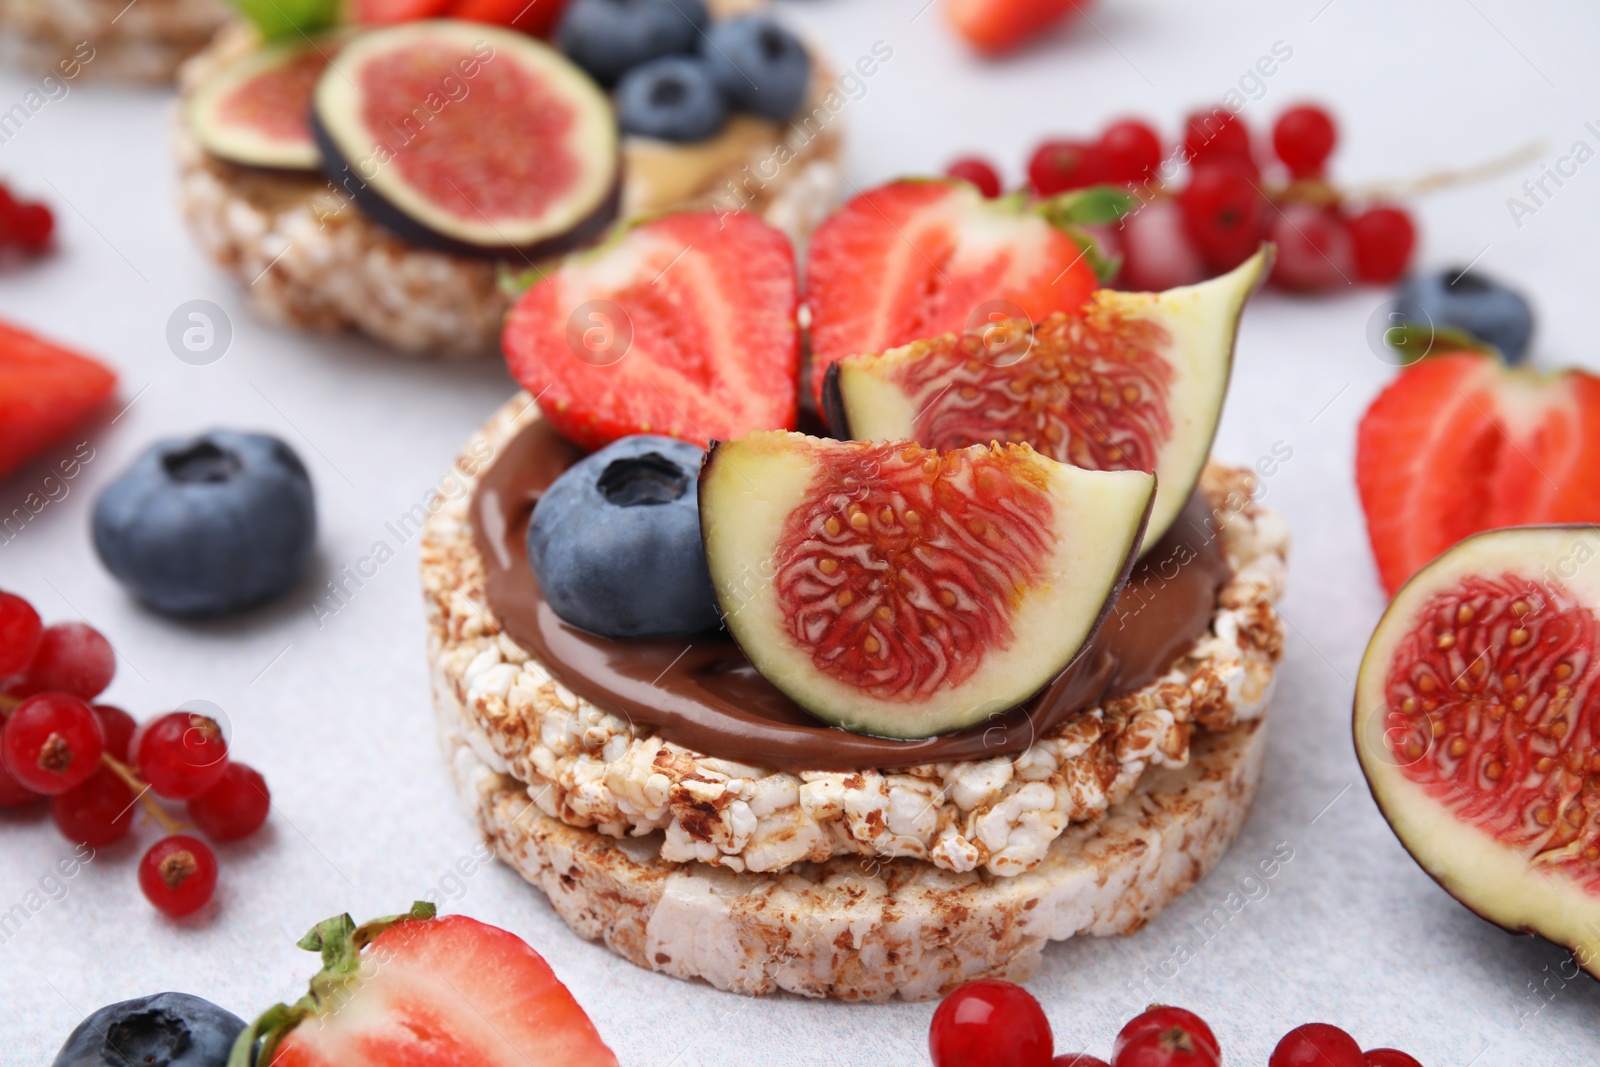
[(469, 138), (1135, 381), (898, 591), (256, 110), (1476, 718)]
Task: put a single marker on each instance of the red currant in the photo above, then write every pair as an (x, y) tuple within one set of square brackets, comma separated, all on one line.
[(1156, 251), (181, 754), (1058, 166), (235, 807), (1390, 1057), (1224, 213), (994, 1023), (98, 812), (1131, 150), (1384, 238), (117, 726), (1171, 1047), (178, 874), (1161, 1017), (1078, 1059), (33, 224), (1303, 138), (21, 634), (1317, 1045), (13, 794), (73, 657), (1314, 249), (978, 172), (51, 743), (1216, 134)]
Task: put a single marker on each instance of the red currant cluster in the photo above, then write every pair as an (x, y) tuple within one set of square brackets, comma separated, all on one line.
[(1236, 196), (999, 1024), (24, 224), (96, 763)]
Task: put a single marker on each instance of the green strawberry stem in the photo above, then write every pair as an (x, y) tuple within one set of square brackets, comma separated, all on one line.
[(290, 18), (1416, 340), (340, 941)]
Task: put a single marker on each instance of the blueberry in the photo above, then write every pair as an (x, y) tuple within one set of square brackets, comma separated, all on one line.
[(615, 541), (164, 1030), (759, 66), (608, 38), (672, 98), (209, 524), (1472, 302)]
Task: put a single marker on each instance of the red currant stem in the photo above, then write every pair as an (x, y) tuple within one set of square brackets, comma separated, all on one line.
[(8, 704), (141, 791), (1445, 179)]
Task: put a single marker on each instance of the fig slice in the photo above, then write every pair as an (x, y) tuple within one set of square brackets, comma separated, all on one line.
[(1134, 381), (1477, 712), (256, 110), (469, 138), (898, 591)]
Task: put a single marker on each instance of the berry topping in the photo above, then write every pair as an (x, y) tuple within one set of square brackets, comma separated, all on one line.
[(1458, 443), (615, 541), (165, 1030), (683, 325), (1304, 137), (1131, 151), (672, 98), (73, 657), (1078, 1059), (538, 17), (1314, 248), (45, 391), (13, 794), (979, 172), (1163, 1018), (21, 634), (117, 726), (998, 1024), (96, 812), (1384, 238), (181, 754), (1057, 166), (760, 67), (1472, 303), (1217, 134), (897, 591), (1224, 213), (178, 874), (608, 38), (51, 743), (1316, 1045), (210, 524), (32, 225), (235, 807), (1156, 251), (408, 1010), (915, 259), (995, 26)]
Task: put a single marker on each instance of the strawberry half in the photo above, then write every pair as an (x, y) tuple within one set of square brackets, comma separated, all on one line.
[(995, 26), (919, 258), (683, 325), (1461, 443), (426, 992), (45, 390)]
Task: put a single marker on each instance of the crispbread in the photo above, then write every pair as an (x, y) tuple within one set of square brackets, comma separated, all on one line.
[(107, 39), (310, 258)]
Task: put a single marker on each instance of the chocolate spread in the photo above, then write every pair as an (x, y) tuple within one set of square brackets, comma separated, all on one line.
[(702, 693)]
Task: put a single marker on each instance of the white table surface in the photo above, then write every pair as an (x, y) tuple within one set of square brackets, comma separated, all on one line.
[(337, 716)]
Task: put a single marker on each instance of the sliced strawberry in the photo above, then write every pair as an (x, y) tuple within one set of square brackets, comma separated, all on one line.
[(384, 12), (1460, 443), (996, 26), (426, 992), (683, 325), (915, 259), (45, 390), (537, 17)]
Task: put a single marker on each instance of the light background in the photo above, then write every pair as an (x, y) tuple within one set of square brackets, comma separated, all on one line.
[(1350, 931)]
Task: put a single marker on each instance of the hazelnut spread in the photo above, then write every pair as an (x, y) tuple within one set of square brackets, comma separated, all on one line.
[(702, 693)]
